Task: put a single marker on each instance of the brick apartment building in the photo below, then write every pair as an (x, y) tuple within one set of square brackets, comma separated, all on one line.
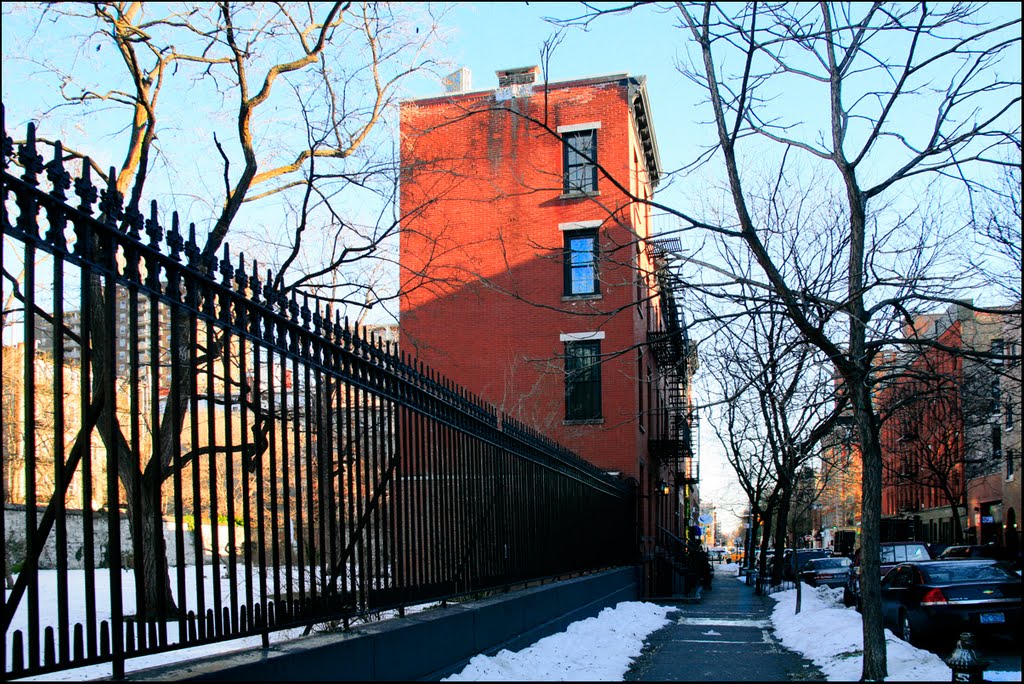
[(839, 481), (1010, 392), (949, 418), (531, 277)]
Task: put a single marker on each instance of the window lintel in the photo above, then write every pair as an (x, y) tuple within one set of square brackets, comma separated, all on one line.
[(573, 128), (581, 336)]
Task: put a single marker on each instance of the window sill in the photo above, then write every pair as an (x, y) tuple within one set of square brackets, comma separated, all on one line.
[(581, 297), (584, 421), (579, 194)]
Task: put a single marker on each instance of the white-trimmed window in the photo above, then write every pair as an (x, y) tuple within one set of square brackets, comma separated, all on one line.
[(579, 158), (582, 375), (580, 262)]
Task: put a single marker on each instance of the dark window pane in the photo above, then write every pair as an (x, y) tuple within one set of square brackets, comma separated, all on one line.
[(580, 159), (582, 380)]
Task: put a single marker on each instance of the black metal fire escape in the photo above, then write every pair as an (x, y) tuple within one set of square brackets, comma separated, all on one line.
[(678, 568), (677, 358)]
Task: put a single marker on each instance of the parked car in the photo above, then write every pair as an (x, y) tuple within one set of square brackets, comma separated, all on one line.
[(794, 559), (940, 599), (976, 551), (829, 572), (890, 554)]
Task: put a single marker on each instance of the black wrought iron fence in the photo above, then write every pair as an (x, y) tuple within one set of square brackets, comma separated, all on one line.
[(192, 456)]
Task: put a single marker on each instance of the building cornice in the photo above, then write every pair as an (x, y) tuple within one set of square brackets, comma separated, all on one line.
[(643, 123)]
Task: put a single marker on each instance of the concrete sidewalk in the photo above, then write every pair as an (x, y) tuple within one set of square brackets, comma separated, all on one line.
[(726, 637)]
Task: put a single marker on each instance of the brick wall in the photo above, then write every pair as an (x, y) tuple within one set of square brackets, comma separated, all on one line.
[(481, 255)]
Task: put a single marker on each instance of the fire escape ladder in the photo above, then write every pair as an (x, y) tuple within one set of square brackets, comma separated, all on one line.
[(677, 358)]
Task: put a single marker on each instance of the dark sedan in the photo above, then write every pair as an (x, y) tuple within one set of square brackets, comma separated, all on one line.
[(827, 572), (978, 551), (941, 599)]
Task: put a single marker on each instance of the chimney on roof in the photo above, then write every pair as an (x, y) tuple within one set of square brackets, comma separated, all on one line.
[(460, 81), (520, 76)]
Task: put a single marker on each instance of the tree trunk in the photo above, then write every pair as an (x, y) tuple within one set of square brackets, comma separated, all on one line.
[(755, 513), (871, 509), (765, 543), (144, 507), (157, 600), (781, 525), (958, 527)]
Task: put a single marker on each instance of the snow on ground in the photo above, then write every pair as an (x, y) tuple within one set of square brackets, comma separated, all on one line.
[(101, 594), (596, 649), (830, 634), (602, 648)]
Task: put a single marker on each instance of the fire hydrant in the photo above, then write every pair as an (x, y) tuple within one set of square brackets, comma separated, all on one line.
[(964, 662)]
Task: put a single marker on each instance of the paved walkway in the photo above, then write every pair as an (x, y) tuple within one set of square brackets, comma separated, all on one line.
[(726, 637)]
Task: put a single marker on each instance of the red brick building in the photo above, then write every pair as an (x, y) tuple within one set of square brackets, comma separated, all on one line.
[(942, 437), (530, 275)]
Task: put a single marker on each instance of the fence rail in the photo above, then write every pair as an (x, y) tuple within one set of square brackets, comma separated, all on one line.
[(197, 456)]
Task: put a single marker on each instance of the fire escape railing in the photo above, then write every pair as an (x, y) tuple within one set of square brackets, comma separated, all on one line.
[(676, 356)]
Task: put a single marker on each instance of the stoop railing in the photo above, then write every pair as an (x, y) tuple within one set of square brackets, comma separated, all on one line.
[(192, 455)]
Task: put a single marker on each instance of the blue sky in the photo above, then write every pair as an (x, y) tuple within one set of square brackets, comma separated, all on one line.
[(486, 37)]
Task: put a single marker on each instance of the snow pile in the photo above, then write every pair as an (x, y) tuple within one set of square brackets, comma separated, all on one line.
[(596, 649), (831, 635)]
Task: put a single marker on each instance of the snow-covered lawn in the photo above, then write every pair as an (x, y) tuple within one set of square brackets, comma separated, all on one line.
[(101, 594)]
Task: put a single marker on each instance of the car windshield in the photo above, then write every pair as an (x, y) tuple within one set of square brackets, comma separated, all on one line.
[(963, 571)]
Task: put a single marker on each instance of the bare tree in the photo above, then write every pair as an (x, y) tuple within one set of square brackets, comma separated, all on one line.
[(997, 225), (298, 95), (848, 74), (793, 394), (740, 435)]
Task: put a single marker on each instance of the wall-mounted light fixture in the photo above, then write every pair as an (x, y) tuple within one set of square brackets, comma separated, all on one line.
[(665, 488)]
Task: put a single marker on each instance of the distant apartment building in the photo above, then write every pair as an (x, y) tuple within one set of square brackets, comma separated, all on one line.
[(129, 325), (837, 510), (140, 326), (531, 277), (943, 436), (1010, 443), (29, 445)]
